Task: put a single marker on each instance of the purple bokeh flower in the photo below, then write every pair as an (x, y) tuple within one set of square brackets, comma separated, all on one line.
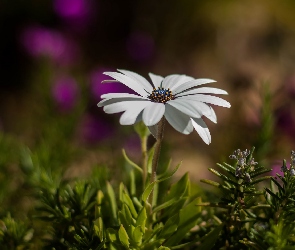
[(286, 121), (40, 41), (140, 46), (65, 92), (93, 130), (77, 13), (277, 168), (290, 86), (97, 89)]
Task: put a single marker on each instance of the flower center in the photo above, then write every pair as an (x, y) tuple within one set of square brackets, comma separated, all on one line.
[(161, 95)]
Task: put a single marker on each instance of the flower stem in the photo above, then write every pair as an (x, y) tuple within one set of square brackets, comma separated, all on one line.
[(144, 159), (160, 135)]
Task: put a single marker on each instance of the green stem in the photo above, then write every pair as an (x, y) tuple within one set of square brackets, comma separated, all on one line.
[(160, 135), (144, 159)]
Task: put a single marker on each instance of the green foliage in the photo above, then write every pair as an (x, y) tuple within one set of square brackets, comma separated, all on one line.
[(14, 234), (246, 220), (278, 231), (138, 225), (240, 199), (99, 213)]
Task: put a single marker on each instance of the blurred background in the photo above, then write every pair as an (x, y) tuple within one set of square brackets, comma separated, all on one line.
[(53, 53)]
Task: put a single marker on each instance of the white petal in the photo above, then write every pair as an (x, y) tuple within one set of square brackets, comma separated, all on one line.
[(194, 108), (153, 113), (178, 120), (154, 130), (157, 80), (211, 115), (208, 99), (173, 81), (201, 127), (130, 116), (132, 109), (128, 81), (120, 95), (133, 106), (187, 85), (187, 107), (126, 97), (204, 90), (138, 78)]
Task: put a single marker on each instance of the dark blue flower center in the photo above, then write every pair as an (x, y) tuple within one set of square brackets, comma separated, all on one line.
[(161, 95)]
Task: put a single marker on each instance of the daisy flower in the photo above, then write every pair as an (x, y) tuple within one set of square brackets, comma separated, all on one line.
[(176, 97)]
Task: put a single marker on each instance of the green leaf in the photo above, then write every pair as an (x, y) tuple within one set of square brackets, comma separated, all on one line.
[(165, 169), (113, 246), (260, 179), (123, 237), (127, 200), (111, 234), (141, 219), (208, 241), (141, 129), (175, 208), (137, 235), (229, 166), (272, 194), (156, 230), (137, 203), (122, 219), (148, 191), (188, 217), (180, 188), (256, 173), (165, 204), (99, 198), (212, 183), (132, 183), (163, 248), (222, 176), (170, 226), (130, 231), (155, 194), (127, 215), (150, 160), (150, 187), (112, 200), (121, 190), (98, 228), (168, 175), (226, 168), (131, 162)]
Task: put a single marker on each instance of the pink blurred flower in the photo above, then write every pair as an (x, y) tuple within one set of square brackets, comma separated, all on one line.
[(97, 89), (76, 12), (140, 46), (93, 130), (277, 168), (290, 86), (65, 93), (40, 41), (286, 121)]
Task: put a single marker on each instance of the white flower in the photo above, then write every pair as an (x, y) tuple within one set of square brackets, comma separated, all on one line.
[(176, 97)]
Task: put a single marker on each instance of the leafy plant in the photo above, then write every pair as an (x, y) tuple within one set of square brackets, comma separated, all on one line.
[(240, 199)]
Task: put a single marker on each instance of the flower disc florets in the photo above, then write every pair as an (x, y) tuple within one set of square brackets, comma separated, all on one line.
[(161, 95)]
